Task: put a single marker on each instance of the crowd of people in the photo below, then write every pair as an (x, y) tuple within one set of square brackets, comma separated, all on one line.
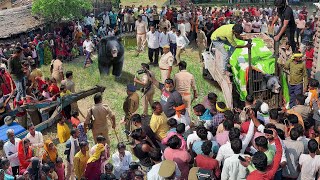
[(250, 142)]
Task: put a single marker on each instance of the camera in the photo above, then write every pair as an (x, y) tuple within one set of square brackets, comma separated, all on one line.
[(141, 71)]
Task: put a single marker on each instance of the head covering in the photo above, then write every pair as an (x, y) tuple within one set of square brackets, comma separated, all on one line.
[(131, 88), (264, 108), (52, 154), (97, 153), (297, 55), (166, 46), (220, 109), (180, 108), (167, 168), (8, 120)]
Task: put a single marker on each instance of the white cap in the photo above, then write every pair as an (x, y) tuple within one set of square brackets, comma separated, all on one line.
[(264, 108)]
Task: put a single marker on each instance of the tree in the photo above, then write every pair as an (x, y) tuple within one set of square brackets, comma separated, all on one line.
[(56, 10)]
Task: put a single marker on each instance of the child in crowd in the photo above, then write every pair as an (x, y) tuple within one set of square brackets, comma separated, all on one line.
[(53, 87), (60, 169), (172, 125), (313, 92), (53, 174), (45, 91)]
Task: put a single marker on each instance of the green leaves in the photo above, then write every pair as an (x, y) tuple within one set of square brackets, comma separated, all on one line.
[(56, 10)]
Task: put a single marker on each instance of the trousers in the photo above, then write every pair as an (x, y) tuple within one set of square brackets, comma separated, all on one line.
[(140, 39), (20, 88), (219, 45), (294, 90), (147, 99), (153, 53)]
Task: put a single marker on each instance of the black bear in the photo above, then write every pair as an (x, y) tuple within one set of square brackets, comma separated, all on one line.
[(111, 53)]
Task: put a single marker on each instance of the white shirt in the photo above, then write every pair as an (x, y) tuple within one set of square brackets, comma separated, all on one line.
[(225, 150), (182, 28), (121, 166), (153, 39), (233, 169), (90, 21), (153, 174), (36, 140), (13, 148), (106, 18), (187, 26), (173, 37), (182, 41), (194, 137), (264, 28), (184, 118), (88, 45), (164, 39), (257, 27), (310, 166)]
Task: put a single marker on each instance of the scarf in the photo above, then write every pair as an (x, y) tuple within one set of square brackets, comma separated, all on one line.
[(97, 153), (72, 149), (179, 109), (52, 154)]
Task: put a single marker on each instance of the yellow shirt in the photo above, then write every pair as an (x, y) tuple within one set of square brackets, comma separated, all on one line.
[(80, 162), (63, 132), (224, 33), (159, 126)]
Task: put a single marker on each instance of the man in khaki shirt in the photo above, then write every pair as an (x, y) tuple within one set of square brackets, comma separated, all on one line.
[(165, 64), (148, 88), (184, 81), (141, 30), (164, 23), (130, 105), (98, 115), (201, 41)]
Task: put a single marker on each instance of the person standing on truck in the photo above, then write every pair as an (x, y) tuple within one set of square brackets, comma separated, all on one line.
[(226, 35), (288, 24)]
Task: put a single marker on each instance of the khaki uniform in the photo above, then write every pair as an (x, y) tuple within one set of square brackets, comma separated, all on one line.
[(56, 70), (130, 106), (71, 87), (202, 42), (163, 24), (141, 28), (101, 113), (147, 96), (165, 62), (184, 81)]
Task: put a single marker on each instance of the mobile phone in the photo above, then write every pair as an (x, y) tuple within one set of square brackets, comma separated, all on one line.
[(268, 131), (241, 158), (127, 132)]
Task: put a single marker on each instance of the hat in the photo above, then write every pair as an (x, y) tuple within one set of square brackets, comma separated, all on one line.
[(131, 88), (166, 46), (167, 168), (264, 108), (8, 120), (91, 14), (197, 173)]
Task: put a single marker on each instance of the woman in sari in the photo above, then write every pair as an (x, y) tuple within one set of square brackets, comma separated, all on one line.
[(40, 50), (24, 154), (51, 152), (63, 131), (93, 169), (47, 52)]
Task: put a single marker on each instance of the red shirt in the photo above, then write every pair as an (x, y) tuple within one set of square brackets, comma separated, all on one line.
[(75, 122), (169, 15), (272, 169), (309, 56), (208, 163), (54, 89)]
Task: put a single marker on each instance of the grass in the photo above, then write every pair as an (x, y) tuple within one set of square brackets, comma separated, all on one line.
[(115, 92)]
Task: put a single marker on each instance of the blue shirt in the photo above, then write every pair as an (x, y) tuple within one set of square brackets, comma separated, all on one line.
[(206, 116), (306, 36), (196, 147)]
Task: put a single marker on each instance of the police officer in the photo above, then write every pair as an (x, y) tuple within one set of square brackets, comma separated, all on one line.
[(166, 63), (201, 40), (148, 88)]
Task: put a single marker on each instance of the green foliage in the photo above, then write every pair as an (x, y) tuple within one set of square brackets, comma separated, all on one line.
[(56, 10)]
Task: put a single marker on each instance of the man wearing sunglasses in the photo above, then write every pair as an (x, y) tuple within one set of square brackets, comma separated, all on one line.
[(170, 98)]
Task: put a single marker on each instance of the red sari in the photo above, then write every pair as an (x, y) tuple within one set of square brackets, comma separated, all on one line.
[(24, 157)]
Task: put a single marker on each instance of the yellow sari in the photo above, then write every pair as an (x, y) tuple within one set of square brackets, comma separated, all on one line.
[(50, 154), (63, 132)]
